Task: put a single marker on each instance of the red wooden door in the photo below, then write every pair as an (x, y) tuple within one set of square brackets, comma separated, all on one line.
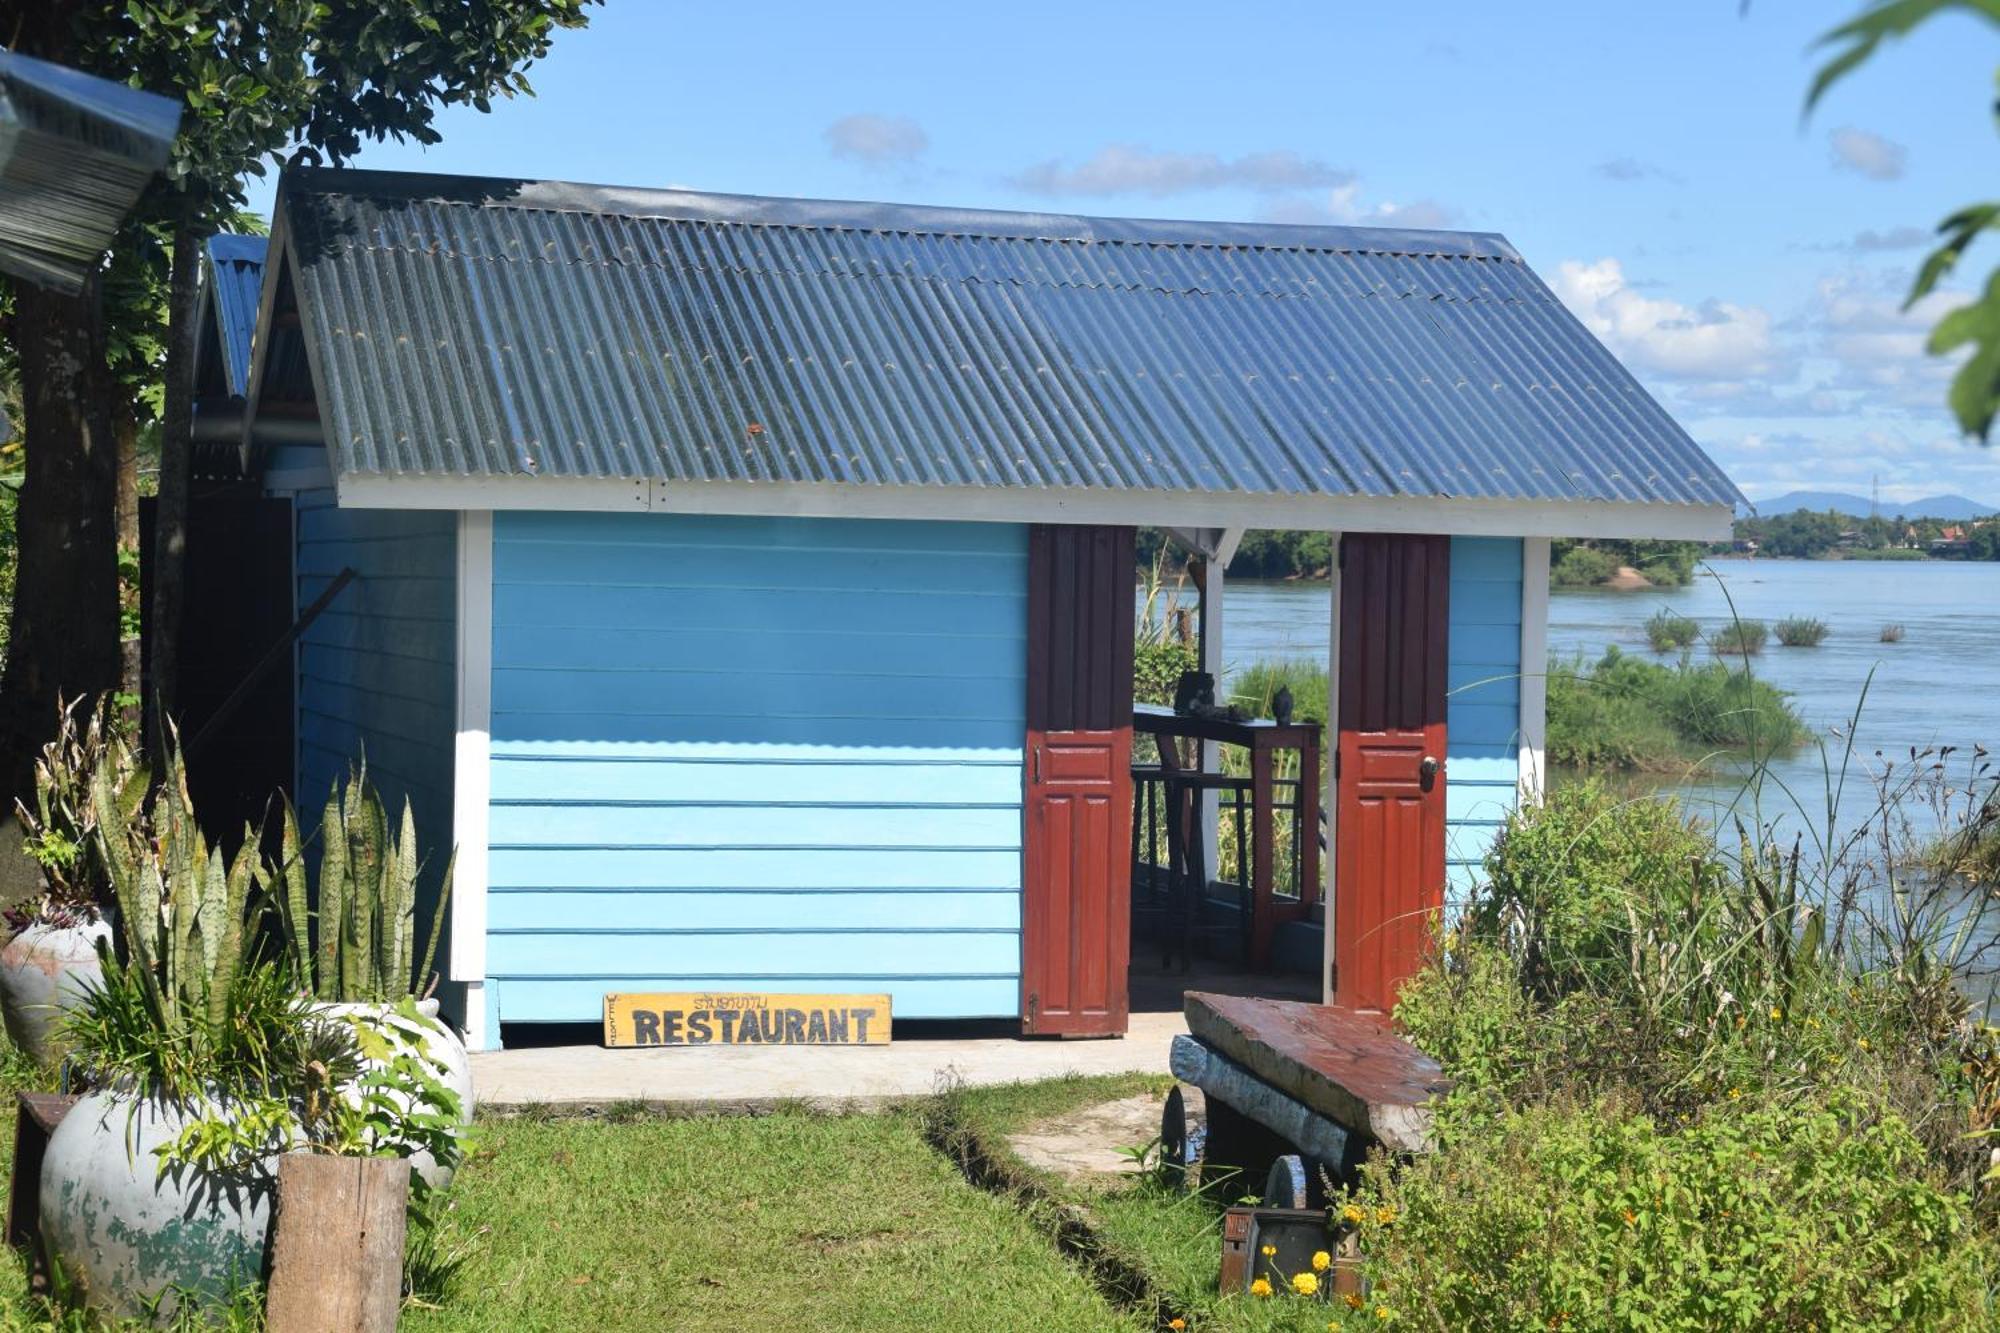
[(1076, 870), (1389, 863)]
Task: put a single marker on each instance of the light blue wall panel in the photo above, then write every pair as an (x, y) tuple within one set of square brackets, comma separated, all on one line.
[(1483, 709), (771, 754), (377, 672)]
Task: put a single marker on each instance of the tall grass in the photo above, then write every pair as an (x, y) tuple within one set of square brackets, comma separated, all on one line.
[(1801, 631)]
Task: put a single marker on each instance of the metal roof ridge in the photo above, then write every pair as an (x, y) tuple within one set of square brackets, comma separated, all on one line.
[(893, 218)]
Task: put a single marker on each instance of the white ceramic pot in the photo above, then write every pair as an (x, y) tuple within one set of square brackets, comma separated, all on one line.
[(442, 1046), (125, 1234), (45, 971)]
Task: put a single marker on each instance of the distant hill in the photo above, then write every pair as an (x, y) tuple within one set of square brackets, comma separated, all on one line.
[(1934, 506)]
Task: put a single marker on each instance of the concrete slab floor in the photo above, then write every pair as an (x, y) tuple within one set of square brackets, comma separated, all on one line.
[(752, 1078)]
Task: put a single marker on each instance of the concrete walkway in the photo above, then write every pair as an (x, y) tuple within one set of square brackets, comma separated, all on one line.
[(752, 1078)]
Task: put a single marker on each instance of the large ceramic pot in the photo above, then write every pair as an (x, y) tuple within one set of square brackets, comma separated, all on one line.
[(124, 1233), (442, 1046), (44, 974)]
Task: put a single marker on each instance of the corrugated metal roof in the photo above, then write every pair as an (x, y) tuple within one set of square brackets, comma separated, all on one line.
[(75, 153), (235, 278), (467, 327)]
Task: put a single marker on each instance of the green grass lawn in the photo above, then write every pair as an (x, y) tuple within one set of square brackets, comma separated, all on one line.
[(797, 1220), (790, 1221)]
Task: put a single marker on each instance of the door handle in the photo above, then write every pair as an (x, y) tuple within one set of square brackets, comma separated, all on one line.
[(1427, 772)]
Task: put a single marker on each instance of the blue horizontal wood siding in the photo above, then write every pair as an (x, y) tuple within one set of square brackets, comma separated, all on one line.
[(1483, 708), (755, 753), (377, 671)]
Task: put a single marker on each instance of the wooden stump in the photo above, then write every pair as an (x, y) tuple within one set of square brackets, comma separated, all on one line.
[(337, 1248), (36, 1118)]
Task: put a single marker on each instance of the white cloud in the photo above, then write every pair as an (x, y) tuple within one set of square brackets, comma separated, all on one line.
[(1717, 340), (1875, 157), (1871, 241), (1628, 170), (1130, 169), (1878, 347), (877, 141), (1342, 206)]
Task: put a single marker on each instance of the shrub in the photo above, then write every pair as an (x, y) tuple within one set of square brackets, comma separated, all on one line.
[(1594, 729), (1892, 634), (1157, 668), (1563, 875), (1626, 712), (1740, 637), (1668, 630), (1582, 567), (1801, 631), (1595, 1216)]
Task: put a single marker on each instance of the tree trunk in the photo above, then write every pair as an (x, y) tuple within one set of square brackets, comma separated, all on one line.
[(170, 514), (126, 431), (65, 627)]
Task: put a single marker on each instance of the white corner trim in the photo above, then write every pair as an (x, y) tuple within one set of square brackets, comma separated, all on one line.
[(472, 1015), (1534, 721), (1024, 504), (472, 781)]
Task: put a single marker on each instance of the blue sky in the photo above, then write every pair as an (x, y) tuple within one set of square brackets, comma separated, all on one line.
[(1649, 160)]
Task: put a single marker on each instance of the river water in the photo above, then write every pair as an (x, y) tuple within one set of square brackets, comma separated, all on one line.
[(1939, 686)]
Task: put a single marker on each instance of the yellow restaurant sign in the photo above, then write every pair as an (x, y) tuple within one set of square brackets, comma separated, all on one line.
[(713, 1018)]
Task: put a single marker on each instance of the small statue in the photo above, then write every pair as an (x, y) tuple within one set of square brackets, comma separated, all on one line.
[(1281, 705), (1194, 692)]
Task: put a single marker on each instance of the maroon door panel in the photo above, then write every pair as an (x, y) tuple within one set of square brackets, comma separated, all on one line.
[(1389, 862), (1076, 871)]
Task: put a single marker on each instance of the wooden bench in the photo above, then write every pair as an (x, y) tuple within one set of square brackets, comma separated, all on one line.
[(1325, 1082)]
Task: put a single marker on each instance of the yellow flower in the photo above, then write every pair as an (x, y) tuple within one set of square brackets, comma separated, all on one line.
[(1742, 1022), (1353, 1215), (1631, 1218), (1777, 1015), (1321, 1261), (1353, 1301), (1177, 1324), (1381, 1312), (1735, 1092), (1863, 1043), (1305, 1284), (1385, 1215), (1261, 1287), (1270, 1250)]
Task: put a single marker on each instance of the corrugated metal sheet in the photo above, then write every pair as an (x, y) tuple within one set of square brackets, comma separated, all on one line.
[(479, 327), (75, 152), (235, 277)]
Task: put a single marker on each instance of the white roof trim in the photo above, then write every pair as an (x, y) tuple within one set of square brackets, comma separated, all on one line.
[(996, 504)]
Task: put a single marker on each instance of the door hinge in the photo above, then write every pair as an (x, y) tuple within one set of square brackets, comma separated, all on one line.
[(1336, 765)]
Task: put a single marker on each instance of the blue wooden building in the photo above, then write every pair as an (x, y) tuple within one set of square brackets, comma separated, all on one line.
[(737, 583)]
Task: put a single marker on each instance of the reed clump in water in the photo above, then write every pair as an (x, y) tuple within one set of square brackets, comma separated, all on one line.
[(1801, 631), (1668, 631), (1740, 638), (1892, 634)]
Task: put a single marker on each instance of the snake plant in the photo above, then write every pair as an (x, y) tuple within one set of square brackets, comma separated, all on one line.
[(364, 903)]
